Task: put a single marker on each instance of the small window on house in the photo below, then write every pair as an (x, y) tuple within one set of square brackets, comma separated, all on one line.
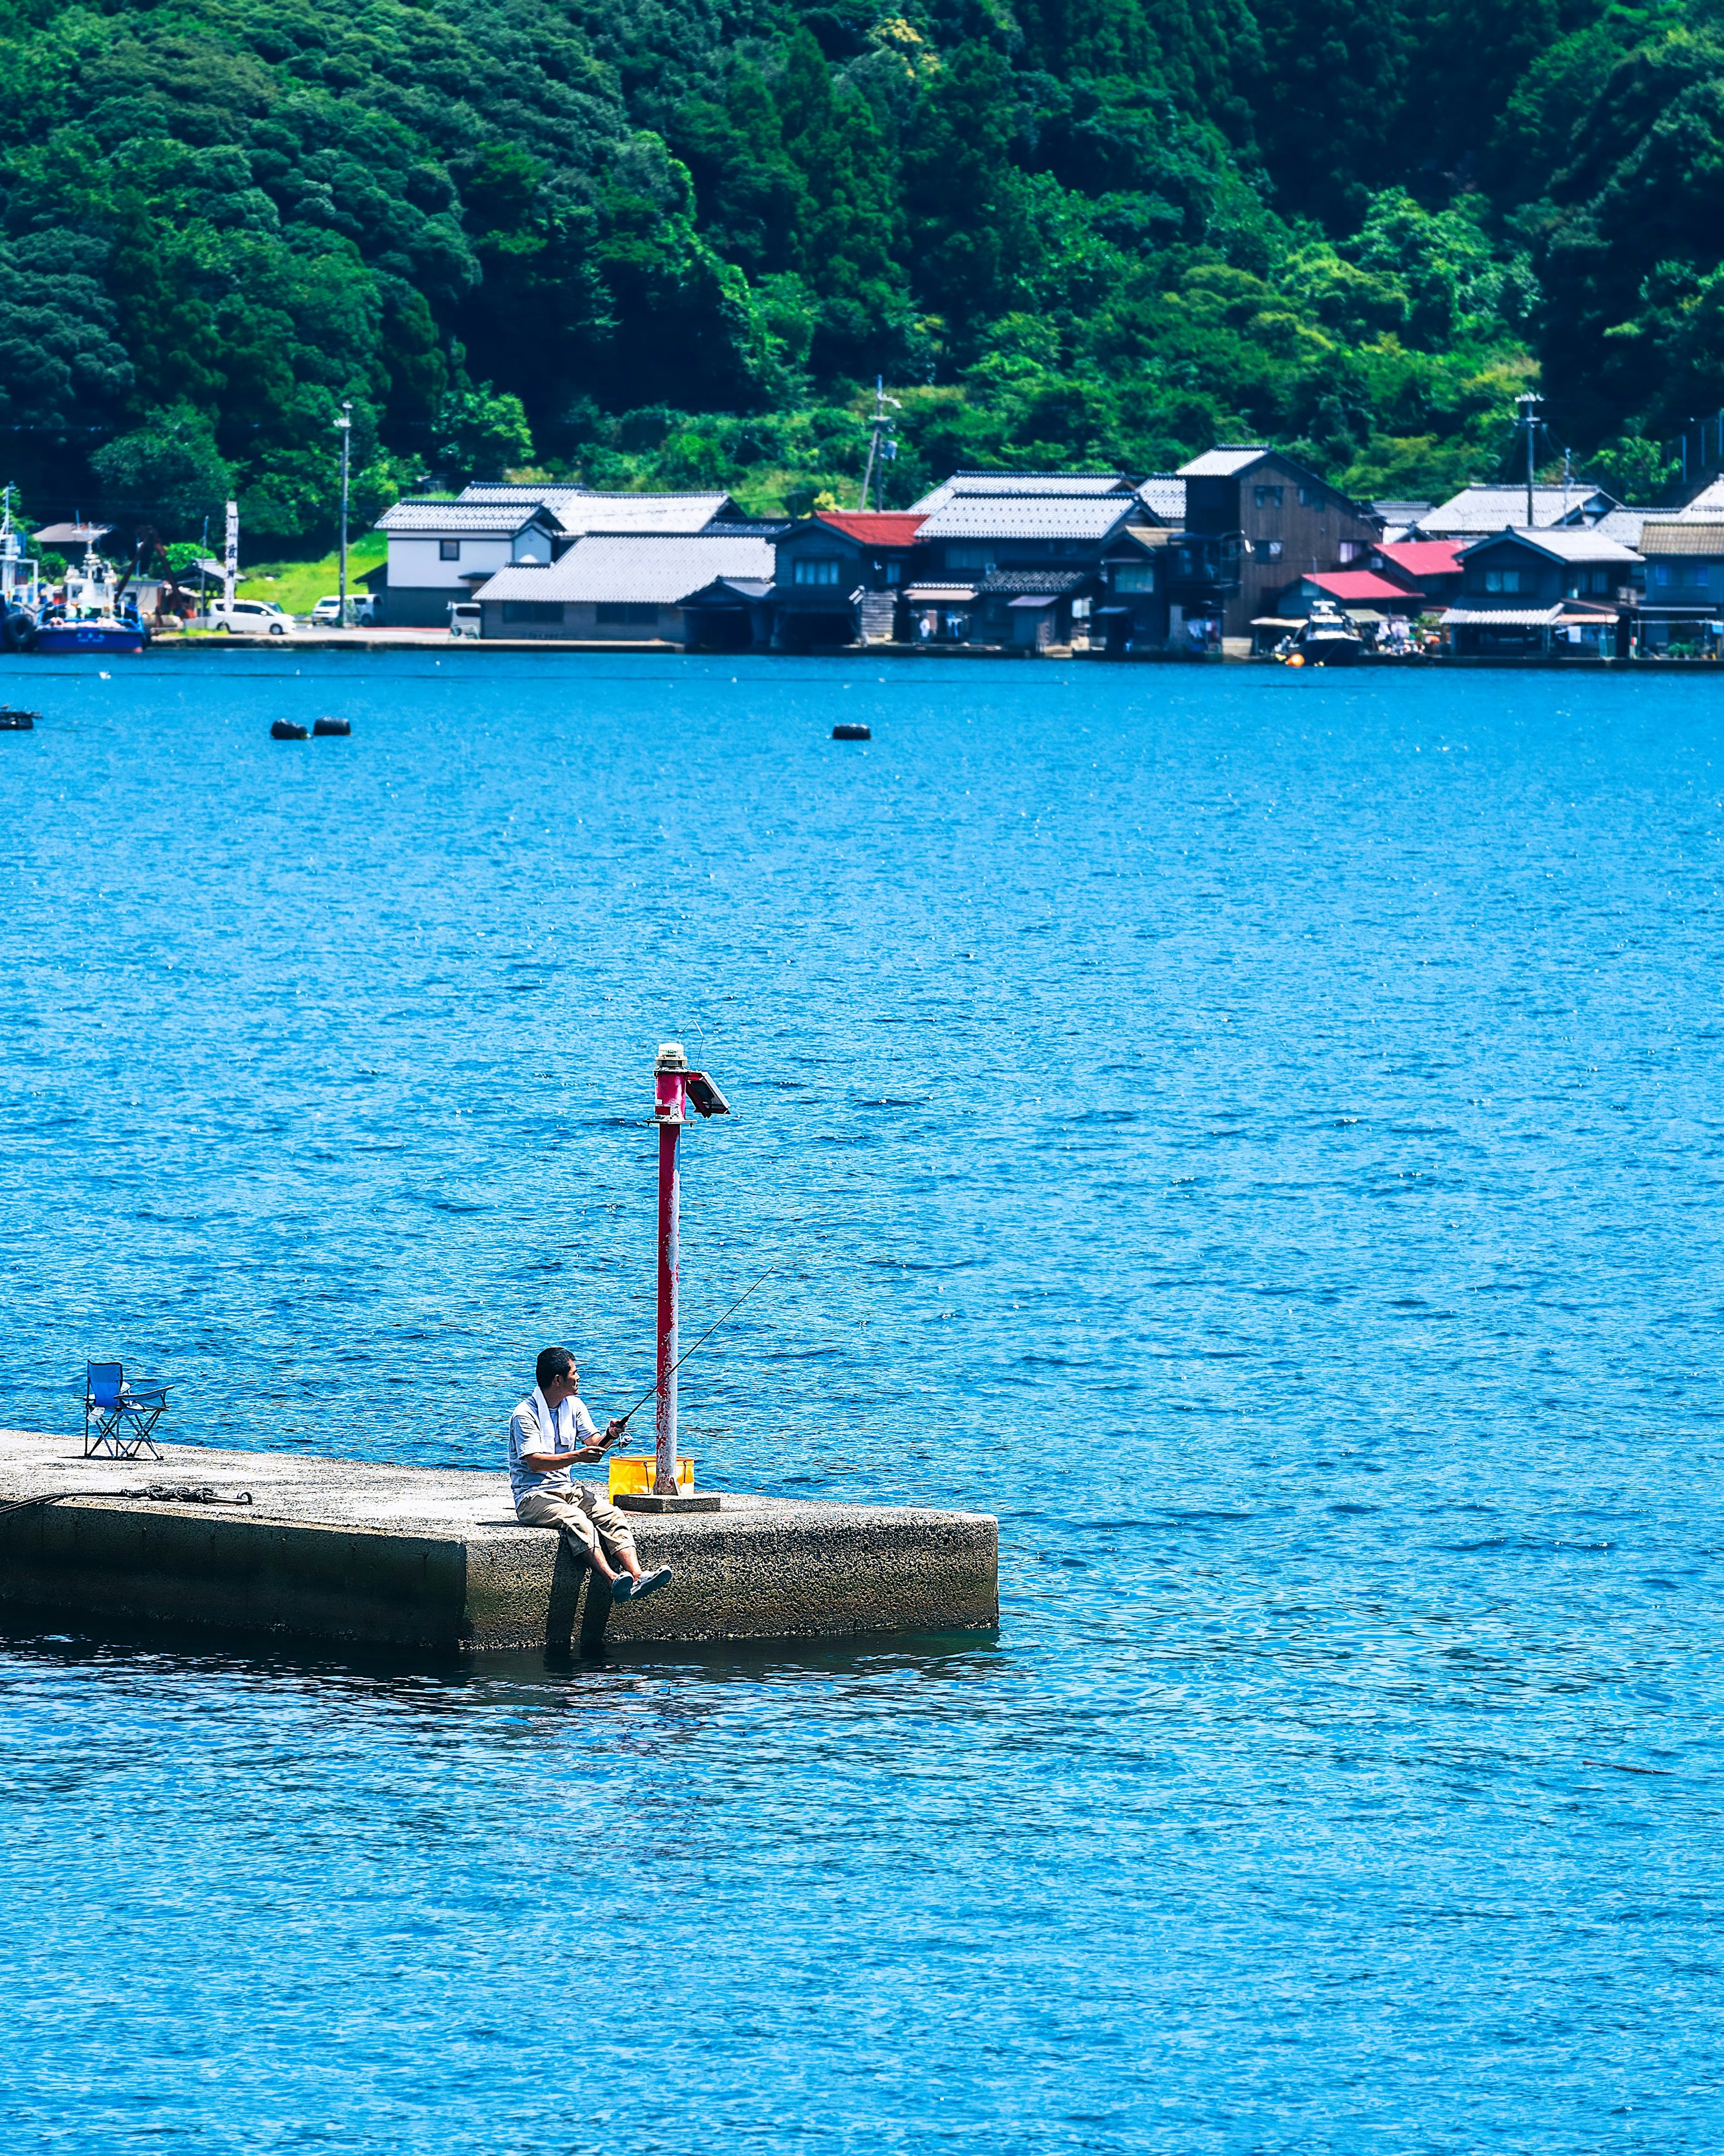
[(815, 569), (626, 613), (1134, 577), (1311, 497), (1599, 580), (895, 572), (1661, 573), (966, 558), (532, 610), (1502, 580), (448, 549), (1267, 497), (1267, 550), (1351, 549)]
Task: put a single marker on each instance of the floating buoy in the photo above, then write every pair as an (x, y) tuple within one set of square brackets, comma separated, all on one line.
[(851, 732), (1295, 658), (285, 730), (17, 722), (339, 726)]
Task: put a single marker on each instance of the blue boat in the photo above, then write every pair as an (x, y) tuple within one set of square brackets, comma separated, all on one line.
[(90, 618)]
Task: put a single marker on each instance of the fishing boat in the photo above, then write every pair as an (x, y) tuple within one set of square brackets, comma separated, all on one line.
[(91, 616), (1329, 638)]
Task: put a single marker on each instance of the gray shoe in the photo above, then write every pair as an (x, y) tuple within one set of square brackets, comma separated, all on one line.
[(649, 1583), (623, 1587)]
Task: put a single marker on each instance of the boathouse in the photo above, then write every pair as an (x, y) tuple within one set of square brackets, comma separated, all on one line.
[(1545, 589), (1682, 607), (839, 575), (622, 587)]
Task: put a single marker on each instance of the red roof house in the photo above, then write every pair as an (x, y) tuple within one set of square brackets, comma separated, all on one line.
[(876, 528), (1430, 566), (1354, 587)]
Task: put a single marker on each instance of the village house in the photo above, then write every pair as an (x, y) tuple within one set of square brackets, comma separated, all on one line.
[(1431, 567), (439, 552), (1014, 568), (1547, 589), (623, 587), (442, 550), (840, 576), (1480, 510), (1254, 519), (1369, 599), (1682, 608)]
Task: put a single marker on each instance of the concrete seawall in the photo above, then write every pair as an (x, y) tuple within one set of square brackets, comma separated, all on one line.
[(344, 1550)]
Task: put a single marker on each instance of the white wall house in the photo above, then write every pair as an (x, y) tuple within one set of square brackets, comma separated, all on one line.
[(443, 551)]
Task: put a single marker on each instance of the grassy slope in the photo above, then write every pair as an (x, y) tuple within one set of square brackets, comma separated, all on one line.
[(297, 587)]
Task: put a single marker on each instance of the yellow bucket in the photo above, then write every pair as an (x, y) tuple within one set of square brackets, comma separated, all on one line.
[(639, 1471)]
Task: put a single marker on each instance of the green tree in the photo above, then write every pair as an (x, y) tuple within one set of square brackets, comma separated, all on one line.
[(168, 472)]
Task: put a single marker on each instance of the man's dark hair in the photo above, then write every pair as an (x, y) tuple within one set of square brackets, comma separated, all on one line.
[(553, 1363)]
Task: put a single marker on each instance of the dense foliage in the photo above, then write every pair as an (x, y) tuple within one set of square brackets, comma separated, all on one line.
[(668, 241)]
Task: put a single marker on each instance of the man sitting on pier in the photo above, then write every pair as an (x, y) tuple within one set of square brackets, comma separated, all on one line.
[(549, 1434)]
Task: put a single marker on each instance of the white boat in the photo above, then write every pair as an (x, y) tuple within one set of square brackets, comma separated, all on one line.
[(91, 616)]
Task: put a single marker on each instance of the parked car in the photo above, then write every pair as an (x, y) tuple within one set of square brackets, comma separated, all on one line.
[(362, 611), (249, 616), (464, 618)]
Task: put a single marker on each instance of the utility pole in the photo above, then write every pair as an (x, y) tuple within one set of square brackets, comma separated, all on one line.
[(1529, 402), (881, 447), (345, 423)]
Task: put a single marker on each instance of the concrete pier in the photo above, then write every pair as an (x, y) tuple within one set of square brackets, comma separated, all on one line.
[(346, 1550)]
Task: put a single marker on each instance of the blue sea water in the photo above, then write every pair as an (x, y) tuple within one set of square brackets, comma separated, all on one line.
[(1260, 1136)]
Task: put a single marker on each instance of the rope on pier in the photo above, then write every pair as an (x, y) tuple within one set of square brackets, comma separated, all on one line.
[(160, 1493)]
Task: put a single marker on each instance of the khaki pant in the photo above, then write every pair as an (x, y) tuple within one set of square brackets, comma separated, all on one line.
[(587, 1517)]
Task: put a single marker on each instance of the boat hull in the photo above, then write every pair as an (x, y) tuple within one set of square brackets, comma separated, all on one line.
[(53, 636)]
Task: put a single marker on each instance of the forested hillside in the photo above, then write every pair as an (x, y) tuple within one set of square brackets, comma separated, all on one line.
[(665, 241)]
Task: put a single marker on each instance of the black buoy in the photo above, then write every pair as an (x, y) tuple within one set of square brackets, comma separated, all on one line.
[(849, 732), (285, 730), (336, 726), (16, 723)]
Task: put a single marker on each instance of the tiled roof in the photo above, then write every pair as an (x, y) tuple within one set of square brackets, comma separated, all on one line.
[(1021, 482), (1490, 508), (1031, 584), (1163, 494), (1474, 616), (641, 567), (1028, 516), (886, 527), (1567, 543), (1694, 536), (580, 509), (1224, 460), (743, 588), (1710, 497), (470, 518)]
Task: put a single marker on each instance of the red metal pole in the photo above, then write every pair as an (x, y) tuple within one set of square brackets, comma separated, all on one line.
[(669, 1092), (665, 1483)]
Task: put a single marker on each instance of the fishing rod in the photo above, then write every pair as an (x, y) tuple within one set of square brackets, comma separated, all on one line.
[(687, 1352)]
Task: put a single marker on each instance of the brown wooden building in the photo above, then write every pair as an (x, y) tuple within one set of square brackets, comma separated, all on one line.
[(1255, 522)]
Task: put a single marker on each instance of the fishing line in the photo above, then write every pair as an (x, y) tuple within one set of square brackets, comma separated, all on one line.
[(705, 1336), (160, 1493)]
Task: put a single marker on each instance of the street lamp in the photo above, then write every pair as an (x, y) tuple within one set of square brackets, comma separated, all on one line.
[(345, 423)]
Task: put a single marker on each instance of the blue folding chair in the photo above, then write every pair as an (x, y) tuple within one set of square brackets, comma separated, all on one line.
[(124, 1414)]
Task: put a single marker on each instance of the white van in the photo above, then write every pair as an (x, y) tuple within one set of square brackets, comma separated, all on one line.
[(361, 611), (249, 616), (464, 618)]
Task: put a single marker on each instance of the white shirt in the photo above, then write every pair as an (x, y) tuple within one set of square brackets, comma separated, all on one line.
[(571, 1428)]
